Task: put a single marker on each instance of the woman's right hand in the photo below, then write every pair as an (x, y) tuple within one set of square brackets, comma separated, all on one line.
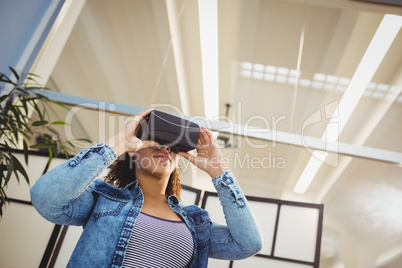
[(126, 140)]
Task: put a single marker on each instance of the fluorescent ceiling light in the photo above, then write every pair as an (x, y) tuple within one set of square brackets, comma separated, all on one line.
[(281, 79), (382, 87), (331, 79), (258, 67), (317, 85), (305, 82), (245, 73), (294, 72), (270, 69), (208, 18), (258, 75), (283, 71), (246, 65), (319, 77), (375, 53), (269, 77)]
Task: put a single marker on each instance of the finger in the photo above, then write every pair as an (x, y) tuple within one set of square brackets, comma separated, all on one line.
[(201, 147), (203, 137), (143, 114), (209, 134), (188, 156), (140, 116), (140, 119), (199, 143), (211, 137)]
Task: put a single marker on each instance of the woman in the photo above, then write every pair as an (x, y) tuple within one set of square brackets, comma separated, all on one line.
[(135, 220)]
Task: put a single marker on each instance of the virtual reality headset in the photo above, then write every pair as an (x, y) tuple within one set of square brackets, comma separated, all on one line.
[(175, 132)]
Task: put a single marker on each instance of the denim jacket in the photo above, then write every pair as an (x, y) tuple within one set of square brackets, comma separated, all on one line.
[(71, 194)]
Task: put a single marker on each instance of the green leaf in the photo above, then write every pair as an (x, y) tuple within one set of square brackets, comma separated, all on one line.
[(24, 133), (60, 123), (60, 104), (54, 112), (42, 146), (8, 82), (40, 96), (37, 110), (71, 144), (5, 79), (24, 103), (50, 157), (34, 88), (9, 137), (47, 137), (25, 149), (16, 136), (17, 115), (84, 139), (20, 168), (55, 133), (4, 200), (15, 73), (2, 169), (32, 74), (5, 96), (40, 123), (10, 167), (22, 90)]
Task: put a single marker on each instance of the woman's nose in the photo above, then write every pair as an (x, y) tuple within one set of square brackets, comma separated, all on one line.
[(164, 147)]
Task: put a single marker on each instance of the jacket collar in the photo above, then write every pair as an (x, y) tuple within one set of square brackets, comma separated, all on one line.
[(173, 200), (135, 183)]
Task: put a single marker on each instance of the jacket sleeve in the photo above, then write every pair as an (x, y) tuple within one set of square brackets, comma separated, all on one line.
[(241, 238), (63, 195)]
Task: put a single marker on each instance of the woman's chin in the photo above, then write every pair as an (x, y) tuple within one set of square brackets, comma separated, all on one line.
[(162, 170)]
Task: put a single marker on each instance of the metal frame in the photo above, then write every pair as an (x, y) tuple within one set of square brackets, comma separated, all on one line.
[(298, 140), (194, 190), (279, 202)]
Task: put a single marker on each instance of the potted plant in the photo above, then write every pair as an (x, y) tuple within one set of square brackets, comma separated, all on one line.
[(20, 102)]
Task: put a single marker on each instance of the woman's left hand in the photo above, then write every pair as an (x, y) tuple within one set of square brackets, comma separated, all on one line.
[(209, 156)]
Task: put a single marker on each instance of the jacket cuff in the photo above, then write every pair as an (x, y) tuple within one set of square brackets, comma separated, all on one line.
[(105, 151), (110, 155), (227, 180)]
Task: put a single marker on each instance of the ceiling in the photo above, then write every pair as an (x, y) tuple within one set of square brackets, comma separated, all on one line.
[(148, 53)]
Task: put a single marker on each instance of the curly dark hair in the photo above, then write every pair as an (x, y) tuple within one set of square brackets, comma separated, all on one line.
[(122, 172)]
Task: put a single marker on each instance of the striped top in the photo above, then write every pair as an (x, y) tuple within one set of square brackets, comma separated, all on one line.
[(157, 242)]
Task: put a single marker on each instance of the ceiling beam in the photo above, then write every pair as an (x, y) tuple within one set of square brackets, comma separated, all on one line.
[(208, 23), (229, 17), (174, 13), (377, 113), (339, 41), (248, 30), (106, 54), (243, 130), (168, 67), (371, 60)]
